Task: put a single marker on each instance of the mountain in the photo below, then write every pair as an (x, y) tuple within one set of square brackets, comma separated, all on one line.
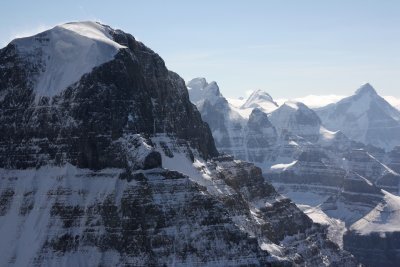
[(244, 132), (104, 161), (261, 100), (365, 117), (335, 180), (298, 119)]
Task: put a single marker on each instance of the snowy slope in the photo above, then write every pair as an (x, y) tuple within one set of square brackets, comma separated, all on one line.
[(385, 217), (65, 53)]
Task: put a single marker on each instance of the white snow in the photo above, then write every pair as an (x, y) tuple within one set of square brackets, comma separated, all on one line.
[(292, 104), (326, 134), (282, 167), (236, 102), (336, 228), (385, 217), (272, 248), (197, 171), (67, 52)]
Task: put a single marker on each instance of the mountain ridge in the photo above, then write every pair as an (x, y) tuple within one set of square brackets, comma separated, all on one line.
[(119, 169)]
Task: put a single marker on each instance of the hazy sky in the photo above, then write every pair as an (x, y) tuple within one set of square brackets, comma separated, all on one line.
[(288, 48)]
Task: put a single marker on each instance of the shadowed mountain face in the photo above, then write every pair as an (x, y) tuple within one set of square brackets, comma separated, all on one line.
[(108, 163)]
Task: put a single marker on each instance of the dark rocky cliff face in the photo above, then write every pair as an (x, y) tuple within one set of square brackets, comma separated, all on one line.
[(375, 249), (134, 93)]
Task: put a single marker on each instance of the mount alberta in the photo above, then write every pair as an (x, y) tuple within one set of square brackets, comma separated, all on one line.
[(365, 117), (342, 183), (104, 161)]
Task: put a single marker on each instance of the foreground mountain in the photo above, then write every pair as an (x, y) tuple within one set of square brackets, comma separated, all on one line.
[(104, 161), (336, 181), (364, 117)]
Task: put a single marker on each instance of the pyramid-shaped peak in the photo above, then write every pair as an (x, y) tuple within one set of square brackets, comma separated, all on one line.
[(366, 89)]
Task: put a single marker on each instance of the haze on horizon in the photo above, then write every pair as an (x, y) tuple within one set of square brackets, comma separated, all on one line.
[(287, 48)]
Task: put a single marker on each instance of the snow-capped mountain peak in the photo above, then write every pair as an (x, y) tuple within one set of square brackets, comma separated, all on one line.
[(365, 117), (57, 53), (257, 97), (262, 100), (296, 118), (366, 89), (200, 90)]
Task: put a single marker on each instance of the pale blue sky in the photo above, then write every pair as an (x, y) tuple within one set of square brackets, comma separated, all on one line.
[(288, 48)]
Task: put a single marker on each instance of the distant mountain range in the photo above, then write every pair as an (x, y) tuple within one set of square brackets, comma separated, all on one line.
[(334, 161), (316, 101)]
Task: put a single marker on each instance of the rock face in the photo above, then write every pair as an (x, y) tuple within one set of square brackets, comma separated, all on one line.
[(134, 92), (111, 165), (375, 249), (364, 117)]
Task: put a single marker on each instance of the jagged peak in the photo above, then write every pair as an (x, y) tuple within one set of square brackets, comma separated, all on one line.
[(366, 89), (200, 90), (197, 83), (201, 83), (258, 96)]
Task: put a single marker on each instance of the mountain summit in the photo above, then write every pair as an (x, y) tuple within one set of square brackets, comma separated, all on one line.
[(63, 54), (260, 99), (366, 89)]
